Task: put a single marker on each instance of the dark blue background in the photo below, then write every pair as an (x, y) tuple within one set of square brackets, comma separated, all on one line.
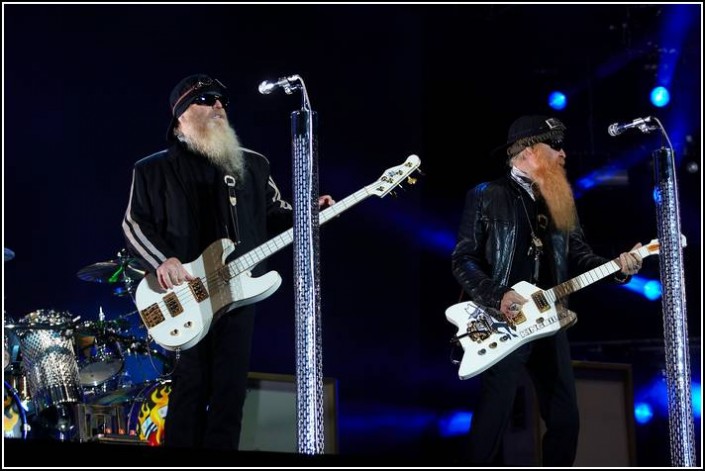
[(86, 95)]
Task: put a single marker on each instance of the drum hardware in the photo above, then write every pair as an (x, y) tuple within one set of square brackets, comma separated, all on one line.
[(136, 414)]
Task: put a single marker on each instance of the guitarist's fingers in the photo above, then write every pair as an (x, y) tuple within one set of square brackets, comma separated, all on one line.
[(630, 263), (164, 279), (511, 303), (184, 275)]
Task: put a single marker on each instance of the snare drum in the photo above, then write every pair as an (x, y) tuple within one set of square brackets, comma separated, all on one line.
[(99, 355), (14, 420)]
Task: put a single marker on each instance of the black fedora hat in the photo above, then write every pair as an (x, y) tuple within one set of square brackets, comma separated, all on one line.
[(185, 93), (528, 130), (531, 129)]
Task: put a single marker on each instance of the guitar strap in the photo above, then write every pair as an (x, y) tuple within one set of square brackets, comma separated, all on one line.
[(232, 197)]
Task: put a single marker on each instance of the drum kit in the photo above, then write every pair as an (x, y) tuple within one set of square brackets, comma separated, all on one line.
[(68, 379)]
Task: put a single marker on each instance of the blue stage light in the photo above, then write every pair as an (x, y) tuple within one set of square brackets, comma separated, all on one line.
[(660, 96), (456, 423), (557, 100), (650, 289), (696, 393), (643, 413)]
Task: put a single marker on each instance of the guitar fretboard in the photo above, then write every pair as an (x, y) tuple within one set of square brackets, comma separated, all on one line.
[(255, 256), (589, 277)]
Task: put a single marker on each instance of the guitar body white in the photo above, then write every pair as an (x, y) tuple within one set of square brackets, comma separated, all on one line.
[(186, 317), (486, 340)]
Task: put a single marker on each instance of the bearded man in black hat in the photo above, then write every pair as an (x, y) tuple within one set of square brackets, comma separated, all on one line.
[(524, 227), (204, 187)]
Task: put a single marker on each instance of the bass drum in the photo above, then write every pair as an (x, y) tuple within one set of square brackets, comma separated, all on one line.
[(14, 420), (145, 407), (148, 413)]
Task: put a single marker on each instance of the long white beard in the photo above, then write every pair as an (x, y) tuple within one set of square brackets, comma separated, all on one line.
[(220, 145)]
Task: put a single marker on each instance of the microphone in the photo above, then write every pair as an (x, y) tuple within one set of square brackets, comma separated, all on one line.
[(289, 84), (615, 129)]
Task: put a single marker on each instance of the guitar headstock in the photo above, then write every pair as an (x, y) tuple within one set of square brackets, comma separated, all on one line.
[(653, 247), (392, 177)]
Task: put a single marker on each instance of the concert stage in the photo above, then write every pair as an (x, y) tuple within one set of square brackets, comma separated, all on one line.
[(55, 454)]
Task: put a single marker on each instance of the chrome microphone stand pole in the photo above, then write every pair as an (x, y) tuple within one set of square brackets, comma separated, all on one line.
[(675, 322), (309, 370)]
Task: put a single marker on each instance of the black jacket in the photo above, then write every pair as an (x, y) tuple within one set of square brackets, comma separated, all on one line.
[(179, 205), (485, 260)]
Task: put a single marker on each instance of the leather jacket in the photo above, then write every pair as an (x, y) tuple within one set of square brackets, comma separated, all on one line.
[(485, 260)]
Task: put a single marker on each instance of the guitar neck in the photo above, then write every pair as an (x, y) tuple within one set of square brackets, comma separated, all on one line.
[(274, 245), (589, 277)]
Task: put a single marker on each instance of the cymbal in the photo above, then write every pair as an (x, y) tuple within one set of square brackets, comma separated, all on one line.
[(112, 271), (9, 254)]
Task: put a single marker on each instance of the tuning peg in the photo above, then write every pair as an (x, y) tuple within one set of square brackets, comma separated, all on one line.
[(420, 172), (411, 180)]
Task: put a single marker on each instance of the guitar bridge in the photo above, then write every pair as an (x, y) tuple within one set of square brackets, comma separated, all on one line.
[(479, 329)]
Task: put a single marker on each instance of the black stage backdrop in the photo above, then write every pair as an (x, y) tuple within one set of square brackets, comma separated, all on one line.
[(86, 95)]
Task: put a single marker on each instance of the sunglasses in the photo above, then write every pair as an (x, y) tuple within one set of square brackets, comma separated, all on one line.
[(209, 99), (555, 144)]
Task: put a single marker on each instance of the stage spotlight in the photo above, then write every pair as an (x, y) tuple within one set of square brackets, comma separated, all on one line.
[(650, 289), (455, 423), (660, 96), (696, 392), (643, 413), (557, 100)]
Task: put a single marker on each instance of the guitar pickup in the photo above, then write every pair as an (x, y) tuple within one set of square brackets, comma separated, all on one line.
[(152, 316), (198, 289), (173, 304), (540, 300)]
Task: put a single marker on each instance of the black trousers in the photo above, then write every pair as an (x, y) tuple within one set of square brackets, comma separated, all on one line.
[(549, 365), (209, 386)]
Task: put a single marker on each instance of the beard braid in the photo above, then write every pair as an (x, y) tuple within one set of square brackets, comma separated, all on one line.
[(553, 185), (220, 145)]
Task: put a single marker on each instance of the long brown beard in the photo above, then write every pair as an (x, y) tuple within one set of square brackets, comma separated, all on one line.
[(220, 144), (553, 185)]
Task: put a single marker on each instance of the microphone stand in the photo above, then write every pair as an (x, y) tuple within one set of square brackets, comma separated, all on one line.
[(309, 369), (675, 325)]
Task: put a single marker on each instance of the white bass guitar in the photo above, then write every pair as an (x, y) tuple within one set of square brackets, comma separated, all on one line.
[(179, 318)]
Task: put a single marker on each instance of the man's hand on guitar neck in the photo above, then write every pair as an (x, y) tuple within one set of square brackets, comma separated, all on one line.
[(630, 262)]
